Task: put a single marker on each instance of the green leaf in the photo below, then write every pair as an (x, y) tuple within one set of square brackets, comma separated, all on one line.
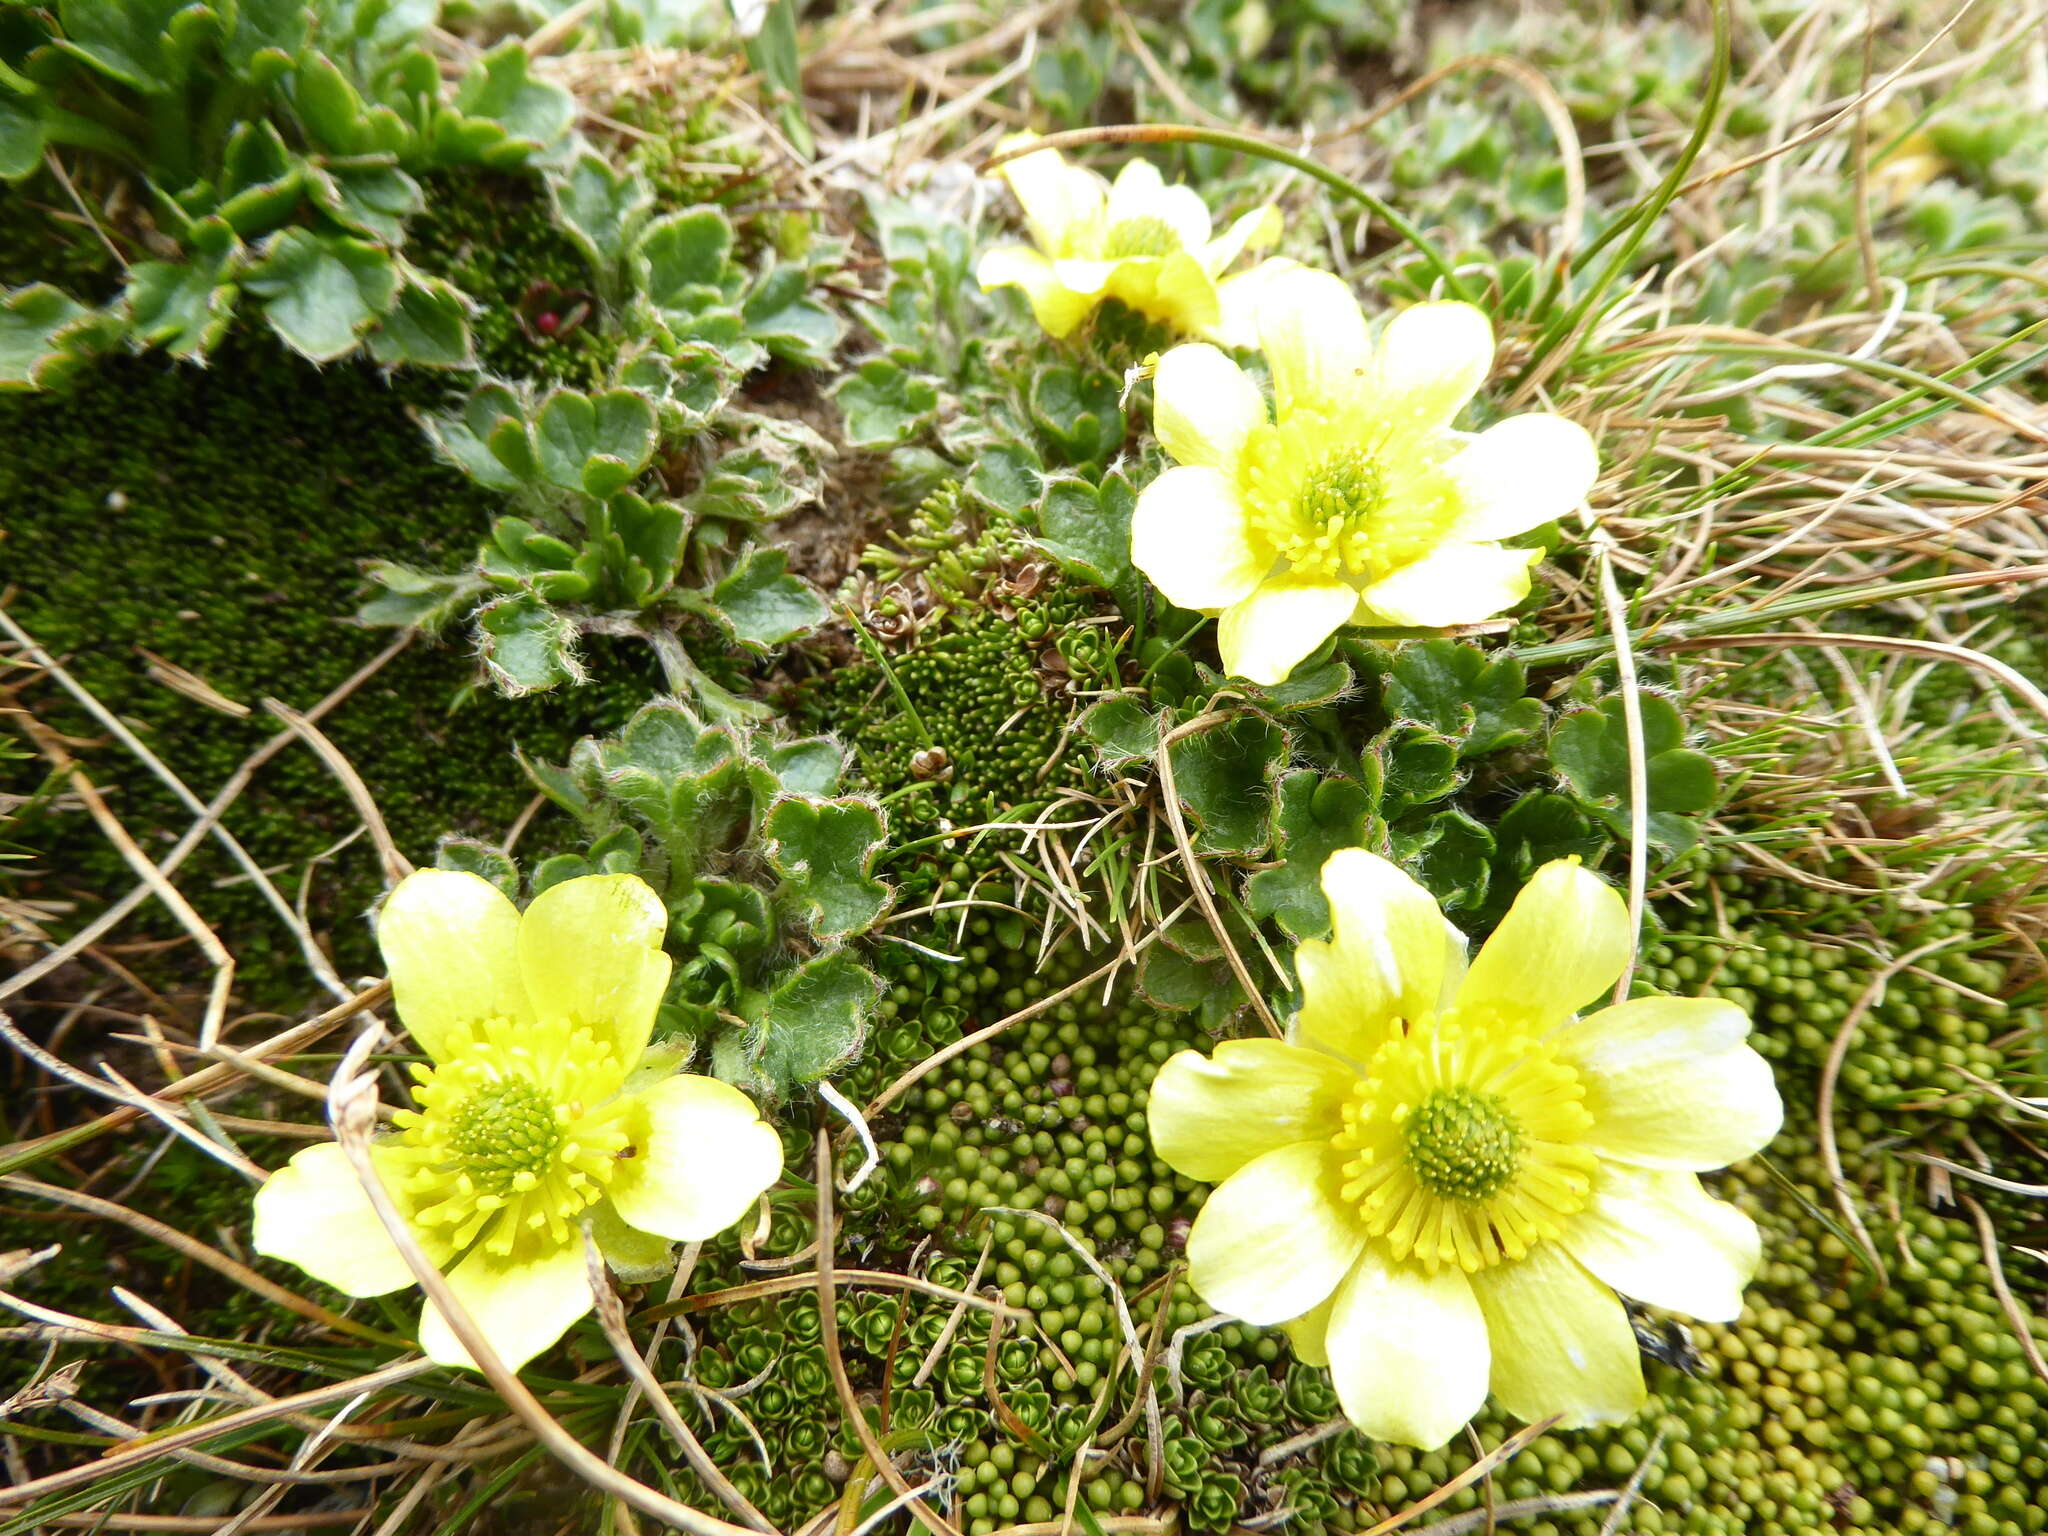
[(810, 766), (499, 88), (1009, 477), (1450, 853), (683, 259), (650, 535), (1590, 748), (1178, 982), (688, 781), (1223, 775), (812, 1022), (1309, 686), (470, 439), (527, 647), (45, 335), (1532, 832), (1313, 817), (1420, 767), (268, 35), (825, 852), (1088, 531), (370, 200), (1456, 691), (141, 43), (883, 404), (599, 207), (429, 328), (261, 182), (1079, 411), (21, 138), (784, 318), (1123, 726), (595, 444), (185, 306), (471, 857), (764, 603), (577, 787), (416, 599), (321, 292), (338, 121)]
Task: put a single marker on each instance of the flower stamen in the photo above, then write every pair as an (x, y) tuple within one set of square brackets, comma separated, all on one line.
[(1462, 1146)]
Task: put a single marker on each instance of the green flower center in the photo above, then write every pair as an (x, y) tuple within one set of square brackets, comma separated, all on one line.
[(506, 1129), (1343, 496), (509, 1142), (1462, 1144), (1148, 236)]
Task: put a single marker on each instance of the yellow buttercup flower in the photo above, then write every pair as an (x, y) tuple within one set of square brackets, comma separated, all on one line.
[(532, 1118), (1137, 240), (1438, 1181), (1355, 503)]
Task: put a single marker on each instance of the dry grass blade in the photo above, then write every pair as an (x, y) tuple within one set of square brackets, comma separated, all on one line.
[(2013, 1311)]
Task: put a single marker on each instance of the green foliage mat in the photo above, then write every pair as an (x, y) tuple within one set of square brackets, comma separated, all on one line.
[(887, 815)]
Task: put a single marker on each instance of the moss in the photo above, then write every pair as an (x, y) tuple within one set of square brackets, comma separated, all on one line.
[(495, 238), (216, 518)]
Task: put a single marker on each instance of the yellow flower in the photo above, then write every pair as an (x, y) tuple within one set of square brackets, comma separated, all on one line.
[(1138, 240), (532, 1118), (1434, 1181), (1356, 503)]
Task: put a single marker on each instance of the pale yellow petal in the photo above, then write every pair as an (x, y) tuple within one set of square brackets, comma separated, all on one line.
[(590, 950), (1561, 946), (1174, 291), (1431, 359), (521, 1306), (1204, 406), (1452, 584), (1140, 192), (1238, 299), (313, 1213), (1561, 1341), (1062, 203), (1252, 231), (1274, 1238), (701, 1157), (1210, 1115), (1654, 1234), (450, 943), (1188, 536), (1386, 958), (1408, 1351), (1086, 275), (1309, 1333), (1057, 308), (1265, 635), (1671, 1083), (1520, 474), (1315, 340)]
